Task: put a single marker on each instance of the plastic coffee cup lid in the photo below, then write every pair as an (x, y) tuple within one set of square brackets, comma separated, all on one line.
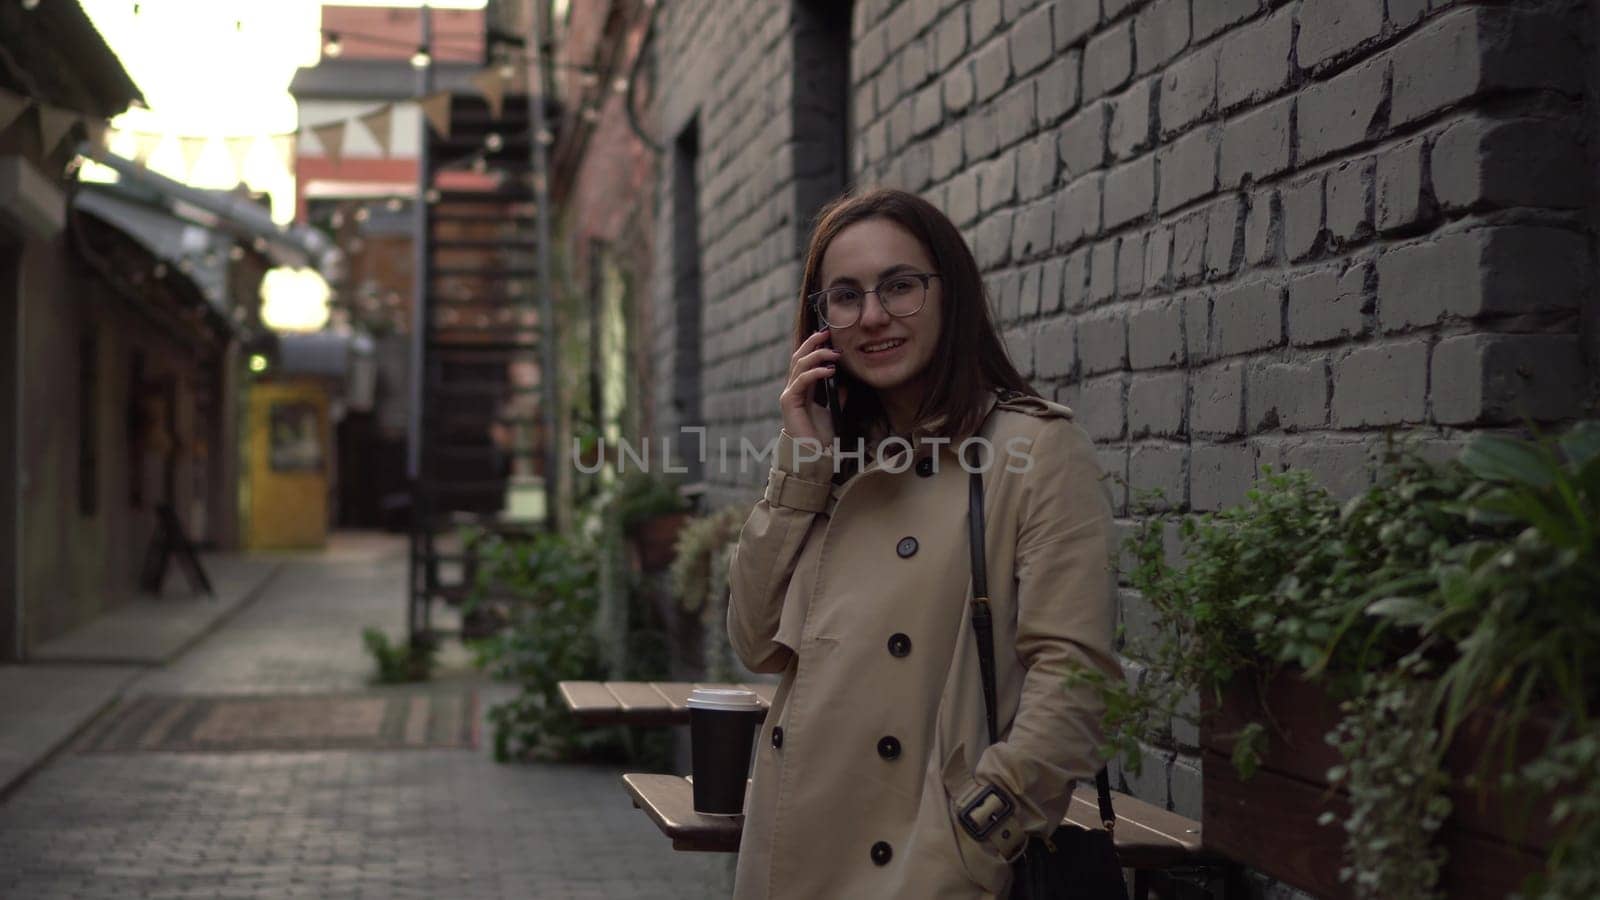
[(723, 698)]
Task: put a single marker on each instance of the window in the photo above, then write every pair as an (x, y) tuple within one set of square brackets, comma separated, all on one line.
[(686, 285)]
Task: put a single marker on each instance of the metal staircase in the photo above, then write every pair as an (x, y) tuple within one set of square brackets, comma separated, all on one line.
[(481, 452)]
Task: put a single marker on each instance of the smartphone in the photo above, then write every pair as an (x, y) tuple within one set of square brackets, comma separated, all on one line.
[(827, 393)]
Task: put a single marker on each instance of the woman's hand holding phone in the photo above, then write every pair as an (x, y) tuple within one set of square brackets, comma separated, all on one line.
[(803, 417)]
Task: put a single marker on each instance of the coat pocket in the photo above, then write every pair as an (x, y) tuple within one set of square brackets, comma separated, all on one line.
[(982, 863)]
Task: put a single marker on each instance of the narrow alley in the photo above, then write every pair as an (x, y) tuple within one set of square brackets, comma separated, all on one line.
[(135, 807)]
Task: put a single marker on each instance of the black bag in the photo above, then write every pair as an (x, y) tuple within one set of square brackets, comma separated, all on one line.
[(1073, 863)]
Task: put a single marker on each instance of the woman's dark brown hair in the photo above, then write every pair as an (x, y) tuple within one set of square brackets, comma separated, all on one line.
[(970, 359)]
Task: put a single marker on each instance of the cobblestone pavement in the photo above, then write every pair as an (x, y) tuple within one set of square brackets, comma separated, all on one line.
[(328, 824)]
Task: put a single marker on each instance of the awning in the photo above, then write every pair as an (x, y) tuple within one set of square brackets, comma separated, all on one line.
[(199, 253)]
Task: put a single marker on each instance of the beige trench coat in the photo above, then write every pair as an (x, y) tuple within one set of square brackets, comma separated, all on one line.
[(858, 594)]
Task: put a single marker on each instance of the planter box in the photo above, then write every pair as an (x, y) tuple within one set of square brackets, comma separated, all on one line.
[(654, 541), (1269, 823)]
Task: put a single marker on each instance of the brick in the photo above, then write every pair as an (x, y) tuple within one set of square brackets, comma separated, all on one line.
[(1186, 778), (1343, 111), (1028, 292), (1404, 13), (902, 25), (1261, 229), (1189, 247), (1216, 405), (1078, 211), (1103, 272), (1156, 403), (1160, 33), (1478, 50), (1130, 265), (1255, 146), (1058, 87), (1332, 28), (958, 89), (1292, 396), (1486, 271), (1158, 257), (947, 153), (1019, 348), (1102, 409), (1003, 296), (916, 63), (1188, 168), (993, 247), (1350, 201), (1480, 164), (1220, 475), (979, 135), (1056, 349), (917, 166), (1196, 325), (1036, 167), (1302, 218), (1344, 468), (1048, 297), (1132, 121), (1108, 61), (1155, 335), (901, 125), (961, 202), (1031, 43), (1075, 279), (1254, 62), (1031, 235), (927, 110), (1329, 305), (1188, 91), (1247, 317), (1402, 198), (1082, 140), (1381, 385), (950, 41), (1103, 345), (1158, 475), (1018, 114), (1113, 463), (991, 69), (1224, 237), (1074, 21), (985, 18), (1212, 16), (997, 182), (1130, 191), (1481, 379)]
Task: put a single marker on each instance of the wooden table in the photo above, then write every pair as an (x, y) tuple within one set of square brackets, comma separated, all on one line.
[(644, 703), (1146, 836)]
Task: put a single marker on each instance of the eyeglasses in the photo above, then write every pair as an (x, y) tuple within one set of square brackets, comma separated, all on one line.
[(901, 295)]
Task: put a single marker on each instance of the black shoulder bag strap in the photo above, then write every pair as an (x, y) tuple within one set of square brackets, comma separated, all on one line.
[(983, 631)]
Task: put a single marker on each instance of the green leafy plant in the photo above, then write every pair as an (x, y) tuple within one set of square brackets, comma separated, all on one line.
[(694, 561), (1448, 593), (400, 663), (640, 496)]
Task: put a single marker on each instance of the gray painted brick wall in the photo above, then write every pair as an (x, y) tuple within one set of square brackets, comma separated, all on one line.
[(1229, 233)]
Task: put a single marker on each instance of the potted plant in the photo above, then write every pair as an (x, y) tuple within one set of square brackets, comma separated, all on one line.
[(1410, 664), (651, 512)]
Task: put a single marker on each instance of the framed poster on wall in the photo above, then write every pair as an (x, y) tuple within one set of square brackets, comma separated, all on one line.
[(295, 439)]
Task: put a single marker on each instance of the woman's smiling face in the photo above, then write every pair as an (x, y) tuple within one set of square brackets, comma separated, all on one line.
[(861, 256)]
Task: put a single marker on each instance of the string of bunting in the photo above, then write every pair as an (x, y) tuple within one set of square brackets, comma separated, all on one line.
[(54, 124)]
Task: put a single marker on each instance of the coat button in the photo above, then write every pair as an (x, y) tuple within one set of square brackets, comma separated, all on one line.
[(889, 747), (881, 851), (777, 737), (906, 547), (925, 466), (899, 645)]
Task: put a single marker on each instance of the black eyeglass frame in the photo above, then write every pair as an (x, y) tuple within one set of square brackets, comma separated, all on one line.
[(817, 299)]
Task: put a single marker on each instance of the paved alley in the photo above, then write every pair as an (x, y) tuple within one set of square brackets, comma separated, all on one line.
[(121, 818)]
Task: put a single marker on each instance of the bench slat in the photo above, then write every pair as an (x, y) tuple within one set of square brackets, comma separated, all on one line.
[(1146, 836), (641, 703), (590, 702)]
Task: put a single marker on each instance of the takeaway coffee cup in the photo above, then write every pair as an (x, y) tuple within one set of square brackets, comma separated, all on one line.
[(722, 727)]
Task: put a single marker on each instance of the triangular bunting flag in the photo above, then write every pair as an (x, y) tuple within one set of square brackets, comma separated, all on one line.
[(144, 147), (380, 125), (53, 126), (193, 148), (239, 151), (11, 107), (437, 108), (285, 145), (492, 86), (332, 139)]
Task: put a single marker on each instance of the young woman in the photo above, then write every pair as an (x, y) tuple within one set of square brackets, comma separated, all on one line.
[(852, 577)]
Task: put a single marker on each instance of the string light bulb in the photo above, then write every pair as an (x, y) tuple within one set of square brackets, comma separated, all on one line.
[(421, 59), (494, 142), (34, 4), (333, 47)]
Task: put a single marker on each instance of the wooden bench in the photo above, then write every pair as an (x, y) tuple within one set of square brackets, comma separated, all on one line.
[(1147, 837), (644, 703)]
